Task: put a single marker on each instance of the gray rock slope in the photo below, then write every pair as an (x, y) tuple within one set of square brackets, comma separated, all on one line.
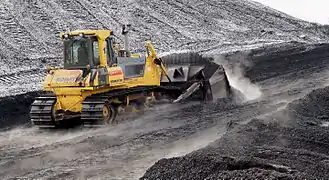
[(29, 37)]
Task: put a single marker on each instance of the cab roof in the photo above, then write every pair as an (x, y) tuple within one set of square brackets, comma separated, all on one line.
[(101, 34)]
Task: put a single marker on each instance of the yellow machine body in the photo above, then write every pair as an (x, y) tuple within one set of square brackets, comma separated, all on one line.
[(95, 65), (70, 89), (99, 78)]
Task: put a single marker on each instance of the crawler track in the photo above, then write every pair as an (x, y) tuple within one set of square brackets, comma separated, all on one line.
[(41, 112), (92, 108)]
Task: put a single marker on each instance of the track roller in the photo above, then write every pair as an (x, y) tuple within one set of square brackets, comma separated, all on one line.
[(98, 112)]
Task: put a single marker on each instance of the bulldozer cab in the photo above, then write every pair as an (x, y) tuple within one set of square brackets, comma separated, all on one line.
[(87, 50), (80, 52)]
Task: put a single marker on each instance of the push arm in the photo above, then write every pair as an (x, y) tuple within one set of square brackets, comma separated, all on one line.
[(157, 60)]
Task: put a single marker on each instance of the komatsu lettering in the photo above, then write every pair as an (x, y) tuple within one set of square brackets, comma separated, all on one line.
[(65, 79)]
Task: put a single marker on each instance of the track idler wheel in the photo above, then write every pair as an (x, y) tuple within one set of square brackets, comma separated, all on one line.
[(109, 113)]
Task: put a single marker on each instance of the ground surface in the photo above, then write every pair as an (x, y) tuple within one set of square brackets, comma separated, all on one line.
[(281, 133), (279, 130)]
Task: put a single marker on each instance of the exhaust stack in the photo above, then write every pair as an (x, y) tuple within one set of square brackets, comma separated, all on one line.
[(125, 31)]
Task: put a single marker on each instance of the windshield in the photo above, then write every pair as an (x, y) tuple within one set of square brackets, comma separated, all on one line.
[(78, 53)]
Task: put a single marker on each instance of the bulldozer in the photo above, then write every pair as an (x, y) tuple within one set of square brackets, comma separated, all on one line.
[(99, 79)]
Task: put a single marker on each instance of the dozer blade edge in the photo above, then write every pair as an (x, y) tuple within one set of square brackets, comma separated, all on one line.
[(196, 77)]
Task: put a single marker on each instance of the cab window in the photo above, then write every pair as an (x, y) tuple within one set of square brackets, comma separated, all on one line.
[(76, 53), (96, 53)]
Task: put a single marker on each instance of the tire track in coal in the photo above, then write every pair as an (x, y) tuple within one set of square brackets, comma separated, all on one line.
[(19, 83), (21, 76), (13, 28)]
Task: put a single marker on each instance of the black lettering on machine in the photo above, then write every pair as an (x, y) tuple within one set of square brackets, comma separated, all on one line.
[(66, 79)]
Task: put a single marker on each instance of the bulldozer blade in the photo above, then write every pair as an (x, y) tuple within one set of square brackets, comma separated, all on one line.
[(196, 77)]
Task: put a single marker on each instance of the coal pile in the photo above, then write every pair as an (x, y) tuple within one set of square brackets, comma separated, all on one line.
[(259, 150), (312, 110), (15, 109), (212, 166), (289, 143)]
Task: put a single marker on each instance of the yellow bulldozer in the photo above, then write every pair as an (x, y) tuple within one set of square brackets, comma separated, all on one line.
[(99, 78)]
